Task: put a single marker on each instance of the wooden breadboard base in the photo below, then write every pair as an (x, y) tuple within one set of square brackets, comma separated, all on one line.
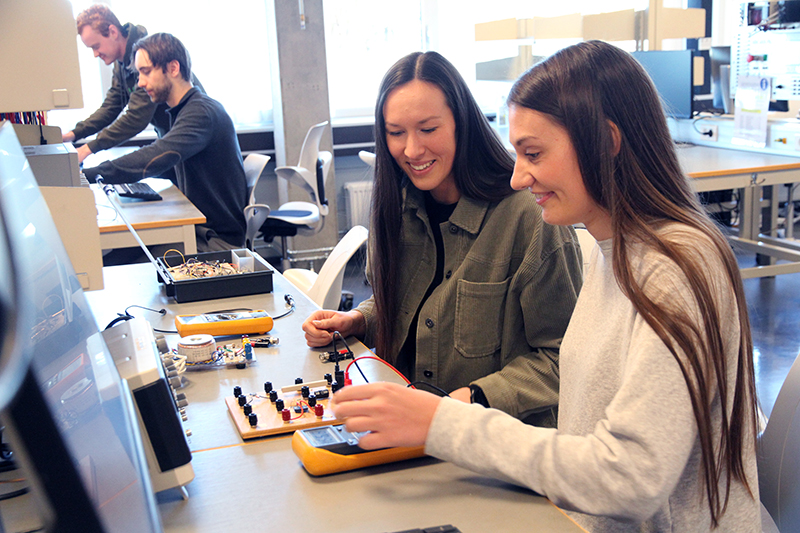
[(270, 421)]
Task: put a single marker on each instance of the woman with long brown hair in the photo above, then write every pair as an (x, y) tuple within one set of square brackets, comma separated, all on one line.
[(657, 408)]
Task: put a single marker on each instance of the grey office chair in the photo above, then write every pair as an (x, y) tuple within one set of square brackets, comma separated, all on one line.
[(325, 288), (254, 213), (310, 174), (779, 457)]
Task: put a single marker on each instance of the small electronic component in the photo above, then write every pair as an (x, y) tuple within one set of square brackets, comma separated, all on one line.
[(224, 323), (331, 449), (197, 348), (335, 356), (264, 342)]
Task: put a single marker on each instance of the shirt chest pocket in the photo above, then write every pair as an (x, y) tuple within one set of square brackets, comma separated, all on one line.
[(479, 317)]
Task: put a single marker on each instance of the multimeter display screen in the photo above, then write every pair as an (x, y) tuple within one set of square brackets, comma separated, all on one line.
[(324, 436)]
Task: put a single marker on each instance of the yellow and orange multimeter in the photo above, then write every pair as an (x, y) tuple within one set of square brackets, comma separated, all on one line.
[(217, 324), (332, 449)]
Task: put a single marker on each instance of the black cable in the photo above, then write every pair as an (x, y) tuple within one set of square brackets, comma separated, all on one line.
[(13, 494), (709, 132), (355, 361), (289, 301), (120, 318), (429, 385), (159, 311)]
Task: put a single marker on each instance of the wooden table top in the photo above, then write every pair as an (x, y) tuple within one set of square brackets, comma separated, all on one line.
[(174, 210)]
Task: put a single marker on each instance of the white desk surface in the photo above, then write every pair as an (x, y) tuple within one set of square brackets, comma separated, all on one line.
[(714, 169), (260, 484)]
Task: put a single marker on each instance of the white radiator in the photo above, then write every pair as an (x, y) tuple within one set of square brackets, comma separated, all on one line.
[(357, 197)]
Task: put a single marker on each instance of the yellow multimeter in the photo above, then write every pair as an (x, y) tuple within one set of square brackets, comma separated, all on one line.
[(224, 323), (332, 449)]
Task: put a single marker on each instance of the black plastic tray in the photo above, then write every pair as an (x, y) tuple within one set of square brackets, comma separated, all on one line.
[(257, 281)]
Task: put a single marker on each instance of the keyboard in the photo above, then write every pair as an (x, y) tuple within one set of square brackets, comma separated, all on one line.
[(141, 191), (436, 529)]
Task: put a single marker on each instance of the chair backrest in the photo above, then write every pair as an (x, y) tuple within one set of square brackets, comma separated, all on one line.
[(779, 456), (327, 289), (254, 165), (367, 157), (587, 243), (254, 214), (310, 148), (306, 174)]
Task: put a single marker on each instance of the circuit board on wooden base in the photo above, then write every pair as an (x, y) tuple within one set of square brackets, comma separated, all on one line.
[(281, 410)]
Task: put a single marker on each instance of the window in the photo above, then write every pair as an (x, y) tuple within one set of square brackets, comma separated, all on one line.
[(230, 55), (228, 47), (364, 38)]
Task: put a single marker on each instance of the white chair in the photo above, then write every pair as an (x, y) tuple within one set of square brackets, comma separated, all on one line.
[(779, 457), (587, 244), (367, 157), (310, 174), (254, 213), (325, 288)]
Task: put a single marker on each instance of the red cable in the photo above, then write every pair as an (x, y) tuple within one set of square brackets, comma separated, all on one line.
[(299, 403), (347, 369)]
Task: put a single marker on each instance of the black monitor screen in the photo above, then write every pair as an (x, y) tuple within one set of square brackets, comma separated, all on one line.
[(69, 413), (671, 72)]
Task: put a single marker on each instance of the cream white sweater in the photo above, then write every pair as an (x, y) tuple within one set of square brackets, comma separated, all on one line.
[(625, 456)]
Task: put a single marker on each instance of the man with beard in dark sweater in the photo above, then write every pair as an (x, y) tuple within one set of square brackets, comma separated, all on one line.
[(112, 42), (201, 145)]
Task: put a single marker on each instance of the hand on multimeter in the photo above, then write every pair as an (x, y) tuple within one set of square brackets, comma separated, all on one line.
[(331, 449), (224, 323)]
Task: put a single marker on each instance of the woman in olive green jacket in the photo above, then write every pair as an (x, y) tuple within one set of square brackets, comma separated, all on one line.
[(472, 290)]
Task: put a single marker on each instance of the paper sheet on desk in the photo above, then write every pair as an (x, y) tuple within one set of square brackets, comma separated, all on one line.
[(752, 106)]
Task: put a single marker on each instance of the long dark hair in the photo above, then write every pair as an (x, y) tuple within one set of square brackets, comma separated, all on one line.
[(482, 170), (583, 87)]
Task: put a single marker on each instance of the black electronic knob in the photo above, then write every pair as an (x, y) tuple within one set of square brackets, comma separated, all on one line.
[(237, 391), (253, 419), (312, 400), (335, 386), (279, 405), (328, 378), (242, 400), (248, 409), (304, 391), (298, 381), (273, 395), (267, 386)]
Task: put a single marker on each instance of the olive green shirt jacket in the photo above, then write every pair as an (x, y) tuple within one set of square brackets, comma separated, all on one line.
[(497, 319)]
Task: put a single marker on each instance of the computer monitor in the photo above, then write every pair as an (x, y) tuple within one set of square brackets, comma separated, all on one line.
[(721, 77), (68, 416), (672, 74)]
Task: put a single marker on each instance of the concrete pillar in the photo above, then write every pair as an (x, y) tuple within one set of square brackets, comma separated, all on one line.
[(300, 99)]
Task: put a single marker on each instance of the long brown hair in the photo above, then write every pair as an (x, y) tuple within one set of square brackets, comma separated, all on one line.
[(481, 167), (582, 88)]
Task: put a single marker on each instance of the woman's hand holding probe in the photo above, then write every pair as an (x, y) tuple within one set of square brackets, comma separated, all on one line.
[(393, 414), (319, 327)]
